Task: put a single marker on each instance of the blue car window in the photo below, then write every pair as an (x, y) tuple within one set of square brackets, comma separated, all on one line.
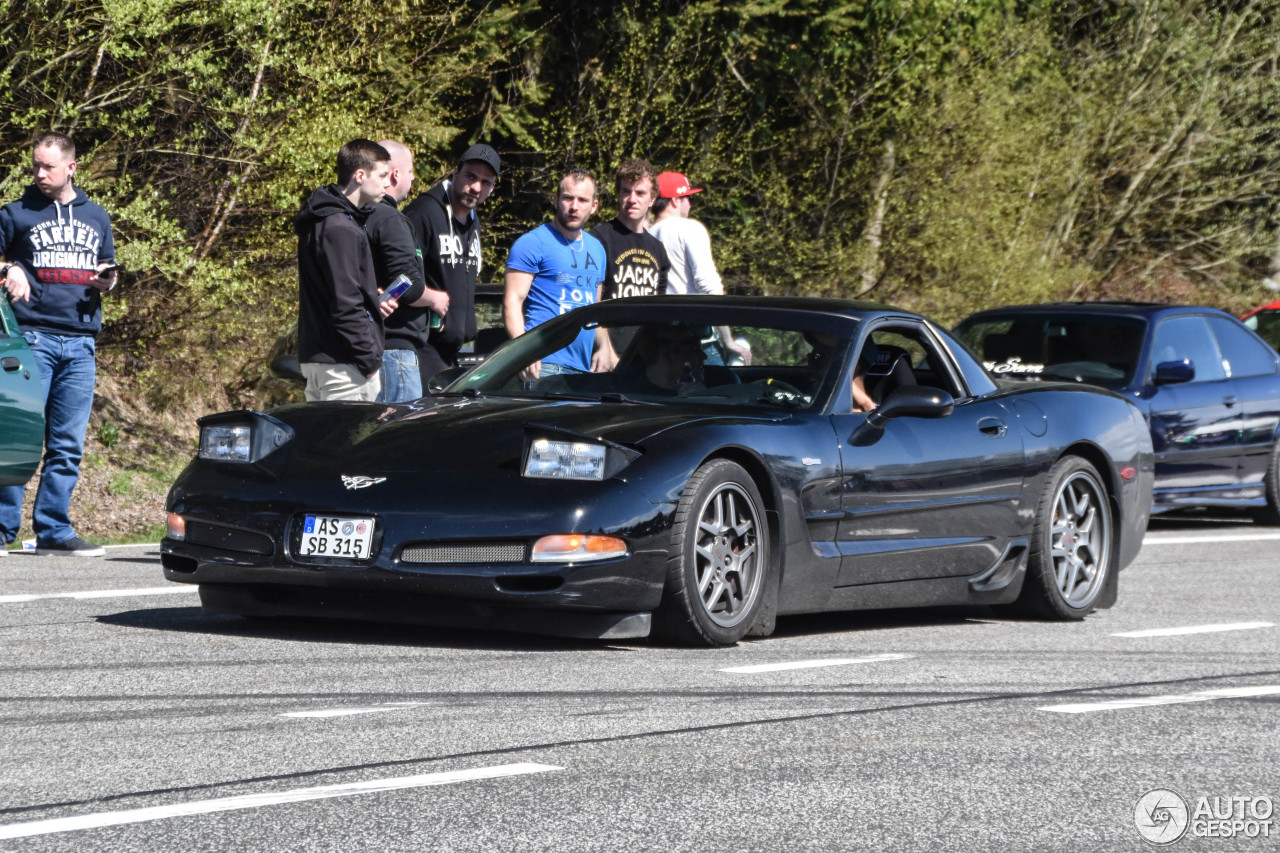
[(1179, 338), (1244, 354)]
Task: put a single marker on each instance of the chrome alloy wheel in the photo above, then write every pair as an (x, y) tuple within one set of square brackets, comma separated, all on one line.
[(1080, 540), (727, 554)]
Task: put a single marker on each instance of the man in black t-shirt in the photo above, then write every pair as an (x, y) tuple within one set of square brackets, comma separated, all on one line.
[(636, 262), (446, 226)]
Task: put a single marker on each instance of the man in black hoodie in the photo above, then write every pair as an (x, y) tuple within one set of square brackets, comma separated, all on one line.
[(339, 323), (447, 229)]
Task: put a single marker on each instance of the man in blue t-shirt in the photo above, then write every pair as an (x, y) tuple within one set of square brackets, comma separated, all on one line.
[(555, 268)]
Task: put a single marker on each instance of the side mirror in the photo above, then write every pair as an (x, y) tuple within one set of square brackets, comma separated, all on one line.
[(442, 380), (1175, 372), (912, 401)]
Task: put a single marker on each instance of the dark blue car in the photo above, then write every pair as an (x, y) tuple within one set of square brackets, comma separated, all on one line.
[(1208, 387)]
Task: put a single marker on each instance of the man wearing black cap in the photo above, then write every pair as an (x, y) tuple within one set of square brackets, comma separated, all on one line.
[(688, 246), (447, 230)]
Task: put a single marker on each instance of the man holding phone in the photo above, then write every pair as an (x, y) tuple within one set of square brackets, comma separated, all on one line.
[(396, 254), (59, 260)]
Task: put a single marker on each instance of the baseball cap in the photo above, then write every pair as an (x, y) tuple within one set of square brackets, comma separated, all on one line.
[(485, 154), (675, 185)]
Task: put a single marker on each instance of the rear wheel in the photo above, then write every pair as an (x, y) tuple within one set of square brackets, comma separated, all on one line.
[(718, 558), (1070, 560)]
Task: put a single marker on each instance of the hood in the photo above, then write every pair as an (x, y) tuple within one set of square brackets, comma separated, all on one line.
[(461, 436), (326, 202)]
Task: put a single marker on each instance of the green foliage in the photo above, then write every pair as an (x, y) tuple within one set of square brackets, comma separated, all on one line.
[(108, 435), (942, 154)]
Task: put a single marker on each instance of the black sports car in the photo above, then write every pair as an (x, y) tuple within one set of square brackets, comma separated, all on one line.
[(697, 500)]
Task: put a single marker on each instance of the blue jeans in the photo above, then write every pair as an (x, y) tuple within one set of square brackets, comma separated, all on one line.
[(401, 381), (553, 369), (68, 372)]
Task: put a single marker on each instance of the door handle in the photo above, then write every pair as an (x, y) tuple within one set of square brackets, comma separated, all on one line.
[(993, 427), (1229, 400), (10, 363)]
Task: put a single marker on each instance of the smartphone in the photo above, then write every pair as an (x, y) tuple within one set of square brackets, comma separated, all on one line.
[(109, 269), (397, 288)]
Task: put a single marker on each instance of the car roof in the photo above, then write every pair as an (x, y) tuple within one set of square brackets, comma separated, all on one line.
[(1144, 310), (852, 308), (1270, 306)]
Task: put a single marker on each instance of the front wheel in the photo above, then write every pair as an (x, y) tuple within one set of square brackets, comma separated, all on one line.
[(1271, 515), (717, 560), (1070, 560)]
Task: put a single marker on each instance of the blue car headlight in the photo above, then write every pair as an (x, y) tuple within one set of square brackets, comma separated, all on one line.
[(565, 460), (243, 437)]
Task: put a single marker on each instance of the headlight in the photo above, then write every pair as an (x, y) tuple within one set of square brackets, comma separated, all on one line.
[(565, 460), (226, 443), (242, 437)]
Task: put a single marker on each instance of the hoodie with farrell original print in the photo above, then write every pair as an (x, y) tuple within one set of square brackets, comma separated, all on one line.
[(59, 247)]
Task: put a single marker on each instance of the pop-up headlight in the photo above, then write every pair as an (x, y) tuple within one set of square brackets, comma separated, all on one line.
[(246, 436), (564, 460), (226, 443), (554, 453)]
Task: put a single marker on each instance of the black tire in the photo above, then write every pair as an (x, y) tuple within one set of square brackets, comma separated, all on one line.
[(1071, 546), (1271, 514), (717, 561)]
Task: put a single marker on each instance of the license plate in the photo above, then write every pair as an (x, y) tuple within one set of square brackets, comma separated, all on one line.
[(336, 536)]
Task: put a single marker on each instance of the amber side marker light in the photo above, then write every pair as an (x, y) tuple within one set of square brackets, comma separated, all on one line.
[(175, 526), (574, 547)]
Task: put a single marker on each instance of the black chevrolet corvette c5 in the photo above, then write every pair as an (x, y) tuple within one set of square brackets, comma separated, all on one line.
[(698, 501)]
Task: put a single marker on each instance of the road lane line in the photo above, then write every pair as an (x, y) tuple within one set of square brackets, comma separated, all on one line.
[(253, 801), (1196, 540), (812, 664), (1196, 629), (346, 712), (100, 593), (1148, 701)]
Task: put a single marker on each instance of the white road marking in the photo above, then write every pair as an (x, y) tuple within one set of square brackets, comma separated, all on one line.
[(1159, 539), (811, 664), (1147, 701), (347, 712), (101, 593), (1196, 629), (253, 801)]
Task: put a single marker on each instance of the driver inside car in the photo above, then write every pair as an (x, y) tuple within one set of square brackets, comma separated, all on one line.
[(823, 347), (672, 356)]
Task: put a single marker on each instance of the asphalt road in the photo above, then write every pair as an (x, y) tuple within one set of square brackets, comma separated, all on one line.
[(129, 721)]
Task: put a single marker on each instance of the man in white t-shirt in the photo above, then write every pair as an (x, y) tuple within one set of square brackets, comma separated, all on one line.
[(688, 245)]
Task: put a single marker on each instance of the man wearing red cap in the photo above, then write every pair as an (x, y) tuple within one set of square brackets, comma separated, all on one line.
[(688, 245)]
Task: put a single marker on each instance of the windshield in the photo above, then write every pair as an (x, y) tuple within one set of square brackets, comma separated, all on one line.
[(1094, 348), (665, 361)]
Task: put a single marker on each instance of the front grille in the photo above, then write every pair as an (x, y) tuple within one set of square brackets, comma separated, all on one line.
[(464, 552), (228, 538)]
